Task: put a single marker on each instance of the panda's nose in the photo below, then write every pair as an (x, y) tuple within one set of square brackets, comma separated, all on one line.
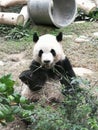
[(46, 61)]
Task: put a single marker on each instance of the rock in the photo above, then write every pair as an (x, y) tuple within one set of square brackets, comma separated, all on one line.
[(1, 63), (95, 34), (80, 71), (79, 22), (67, 36), (81, 39), (16, 57)]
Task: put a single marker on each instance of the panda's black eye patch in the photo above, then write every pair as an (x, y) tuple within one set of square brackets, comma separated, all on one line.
[(53, 52), (40, 53)]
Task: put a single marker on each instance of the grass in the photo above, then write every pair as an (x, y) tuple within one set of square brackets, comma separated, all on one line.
[(78, 111), (17, 39)]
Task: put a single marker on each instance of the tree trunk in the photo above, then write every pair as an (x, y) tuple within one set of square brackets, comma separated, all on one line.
[(86, 5), (96, 2), (8, 3), (25, 13), (0, 9), (11, 18)]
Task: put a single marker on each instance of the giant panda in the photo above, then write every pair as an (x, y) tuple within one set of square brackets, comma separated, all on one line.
[(50, 69)]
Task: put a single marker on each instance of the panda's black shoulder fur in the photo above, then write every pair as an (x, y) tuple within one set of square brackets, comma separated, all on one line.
[(37, 76), (65, 67), (66, 70)]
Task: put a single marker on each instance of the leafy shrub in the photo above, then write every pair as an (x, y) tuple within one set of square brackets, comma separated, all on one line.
[(11, 103), (92, 16), (5, 30), (14, 33), (77, 112)]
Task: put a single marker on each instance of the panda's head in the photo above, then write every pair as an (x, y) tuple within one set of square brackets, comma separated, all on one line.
[(48, 49)]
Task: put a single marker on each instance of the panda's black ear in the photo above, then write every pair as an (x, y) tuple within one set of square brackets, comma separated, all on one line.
[(35, 37), (59, 37)]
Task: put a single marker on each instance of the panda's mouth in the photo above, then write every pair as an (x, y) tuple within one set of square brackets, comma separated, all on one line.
[(47, 66)]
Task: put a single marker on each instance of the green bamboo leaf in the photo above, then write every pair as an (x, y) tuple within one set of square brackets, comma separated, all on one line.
[(2, 87), (9, 83), (1, 115), (23, 100)]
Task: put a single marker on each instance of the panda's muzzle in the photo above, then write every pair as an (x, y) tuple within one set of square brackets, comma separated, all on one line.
[(46, 61), (47, 64)]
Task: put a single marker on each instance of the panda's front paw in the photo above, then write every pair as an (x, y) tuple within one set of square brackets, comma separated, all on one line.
[(26, 76), (33, 82)]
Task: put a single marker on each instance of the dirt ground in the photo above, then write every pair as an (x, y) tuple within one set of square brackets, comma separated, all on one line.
[(80, 43), (81, 46)]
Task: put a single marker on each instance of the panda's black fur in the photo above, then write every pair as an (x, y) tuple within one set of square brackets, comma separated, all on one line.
[(36, 76)]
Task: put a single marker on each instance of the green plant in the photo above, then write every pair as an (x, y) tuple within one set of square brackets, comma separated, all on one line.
[(92, 16), (18, 33), (5, 30), (12, 32), (12, 103), (78, 111)]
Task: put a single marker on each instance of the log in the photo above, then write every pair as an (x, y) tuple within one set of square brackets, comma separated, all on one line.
[(1, 9), (8, 3), (86, 5), (11, 18), (96, 2), (25, 13)]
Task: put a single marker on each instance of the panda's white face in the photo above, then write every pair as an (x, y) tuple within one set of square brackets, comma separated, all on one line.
[(47, 51)]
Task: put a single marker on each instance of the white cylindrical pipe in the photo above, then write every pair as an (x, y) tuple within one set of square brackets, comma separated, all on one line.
[(52, 12)]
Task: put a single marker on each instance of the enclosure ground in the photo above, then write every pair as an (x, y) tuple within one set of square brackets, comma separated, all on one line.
[(16, 56)]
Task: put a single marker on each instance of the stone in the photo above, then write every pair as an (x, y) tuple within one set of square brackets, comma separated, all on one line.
[(80, 71), (82, 39), (95, 34), (1, 63)]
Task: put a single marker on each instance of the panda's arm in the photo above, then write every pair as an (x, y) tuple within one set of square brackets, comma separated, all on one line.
[(65, 69), (66, 64), (26, 77), (33, 78)]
